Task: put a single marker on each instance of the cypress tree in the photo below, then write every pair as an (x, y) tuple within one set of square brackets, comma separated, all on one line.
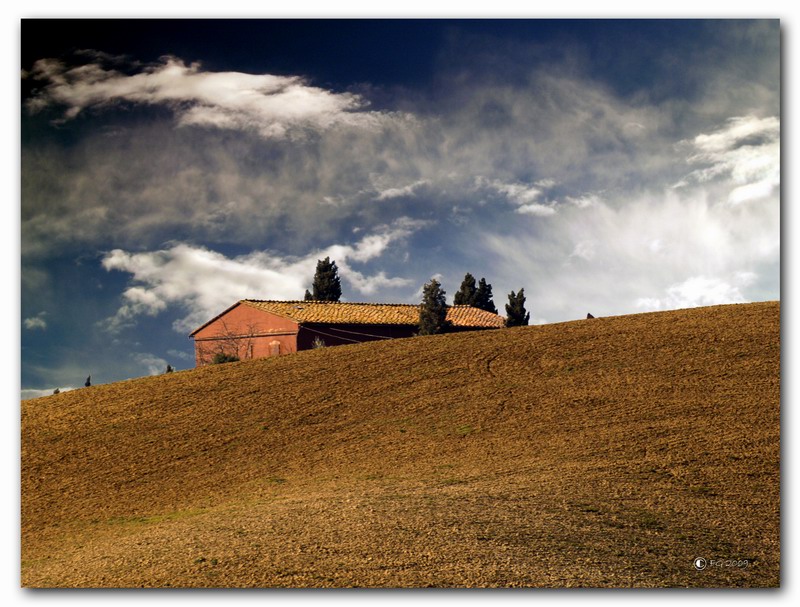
[(433, 310), (327, 286), (308, 296), (516, 316), (466, 294), (483, 297)]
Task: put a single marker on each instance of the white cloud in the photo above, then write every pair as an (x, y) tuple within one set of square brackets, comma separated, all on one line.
[(540, 210), (585, 201), (408, 190), (744, 279), (526, 196), (693, 292), (752, 191), (650, 250), (745, 152), (585, 249), (205, 282), (649, 304), (518, 193), (36, 322), (28, 393), (370, 285), (268, 104), (155, 365), (739, 130)]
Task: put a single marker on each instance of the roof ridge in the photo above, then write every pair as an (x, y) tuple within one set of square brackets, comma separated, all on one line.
[(353, 303), (317, 301)]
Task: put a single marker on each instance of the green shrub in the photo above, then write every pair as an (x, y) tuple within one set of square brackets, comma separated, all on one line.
[(318, 343), (221, 357)]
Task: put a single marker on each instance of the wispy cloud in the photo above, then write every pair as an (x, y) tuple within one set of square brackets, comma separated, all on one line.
[(535, 208), (155, 365), (527, 197), (518, 193), (36, 322), (693, 292), (650, 250), (585, 249), (407, 190), (274, 106), (584, 201), (745, 151)]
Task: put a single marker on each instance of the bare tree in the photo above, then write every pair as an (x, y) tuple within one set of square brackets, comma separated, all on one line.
[(230, 344)]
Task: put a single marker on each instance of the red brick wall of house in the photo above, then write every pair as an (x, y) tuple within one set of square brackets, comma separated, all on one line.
[(247, 333)]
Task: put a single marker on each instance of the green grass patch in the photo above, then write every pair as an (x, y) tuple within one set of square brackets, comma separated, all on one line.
[(465, 430)]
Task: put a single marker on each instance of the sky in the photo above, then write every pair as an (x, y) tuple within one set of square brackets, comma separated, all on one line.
[(171, 168)]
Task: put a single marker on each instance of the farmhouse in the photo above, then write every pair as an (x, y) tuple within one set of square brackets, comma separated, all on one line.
[(255, 328)]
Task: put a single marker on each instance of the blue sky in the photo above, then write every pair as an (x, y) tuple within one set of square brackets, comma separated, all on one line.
[(171, 168)]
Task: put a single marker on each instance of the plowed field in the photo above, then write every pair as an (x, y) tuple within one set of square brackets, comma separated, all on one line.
[(604, 452)]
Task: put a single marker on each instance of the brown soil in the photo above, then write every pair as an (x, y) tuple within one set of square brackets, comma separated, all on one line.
[(605, 452)]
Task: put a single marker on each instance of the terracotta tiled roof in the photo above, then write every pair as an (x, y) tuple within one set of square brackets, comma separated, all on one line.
[(371, 313), (467, 316)]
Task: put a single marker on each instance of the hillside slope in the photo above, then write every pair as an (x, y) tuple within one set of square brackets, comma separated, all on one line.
[(605, 452)]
